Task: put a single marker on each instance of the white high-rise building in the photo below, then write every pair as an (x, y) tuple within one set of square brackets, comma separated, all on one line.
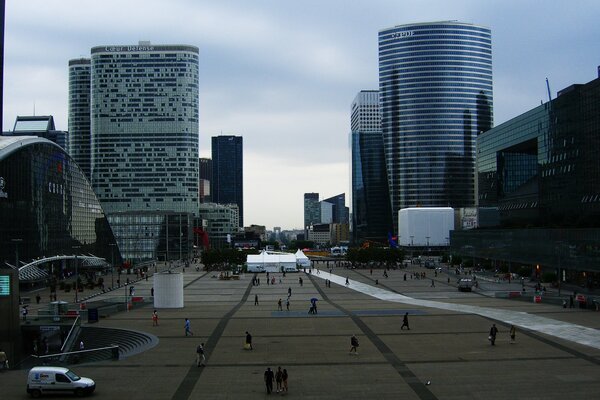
[(144, 127)]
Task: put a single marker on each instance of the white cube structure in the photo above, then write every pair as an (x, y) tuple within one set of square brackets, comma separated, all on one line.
[(168, 290)]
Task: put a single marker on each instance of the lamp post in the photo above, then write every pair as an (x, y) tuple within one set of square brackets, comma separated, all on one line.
[(76, 275), (112, 266), (17, 242)]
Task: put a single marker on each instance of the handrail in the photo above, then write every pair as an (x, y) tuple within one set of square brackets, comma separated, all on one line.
[(69, 334), (114, 346)]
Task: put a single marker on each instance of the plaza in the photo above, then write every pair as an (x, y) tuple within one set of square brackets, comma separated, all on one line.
[(446, 345)]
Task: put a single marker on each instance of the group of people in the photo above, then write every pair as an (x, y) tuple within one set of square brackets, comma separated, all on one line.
[(494, 332), (280, 377)]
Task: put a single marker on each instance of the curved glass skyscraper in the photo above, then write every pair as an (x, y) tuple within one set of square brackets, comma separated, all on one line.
[(435, 88), (79, 114)]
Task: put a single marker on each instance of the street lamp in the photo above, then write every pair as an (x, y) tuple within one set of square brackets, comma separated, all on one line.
[(76, 275), (17, 242), (112, 266)]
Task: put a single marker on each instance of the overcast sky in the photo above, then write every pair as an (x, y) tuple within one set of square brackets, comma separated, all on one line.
[(282, 74)]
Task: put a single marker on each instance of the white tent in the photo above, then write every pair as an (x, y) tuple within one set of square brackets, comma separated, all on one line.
[(271, 262), (301, 259)]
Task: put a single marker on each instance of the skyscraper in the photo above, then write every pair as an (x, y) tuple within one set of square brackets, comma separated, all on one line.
[(371, 212), (340, 213), (227, 184), (312, 209), (144, 127), (435, 88), (204, 178), (79, 147)]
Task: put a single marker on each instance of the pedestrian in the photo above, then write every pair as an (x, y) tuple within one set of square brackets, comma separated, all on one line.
[(284, 378), (347, 281), (200, 357), (493, 333), (38, 298), (290, 291), (513, 333), (81, 345), (353, 345), (155, 318), (279, 379), (279, 308), (405, 322), (152, 292), (248, 341), (256, 299), (24, 313), (3, 360), (432, 283), (269, 380), (287, 304), (187, 327)]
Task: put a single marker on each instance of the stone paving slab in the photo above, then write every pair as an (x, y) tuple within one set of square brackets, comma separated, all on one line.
[(447, 346)]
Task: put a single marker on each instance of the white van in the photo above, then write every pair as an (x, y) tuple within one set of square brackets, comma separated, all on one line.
[(57, 380)]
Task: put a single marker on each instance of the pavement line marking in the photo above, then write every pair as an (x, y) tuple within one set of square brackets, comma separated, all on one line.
[(193, 281), (405, 372), (185, 388), (563, 330)]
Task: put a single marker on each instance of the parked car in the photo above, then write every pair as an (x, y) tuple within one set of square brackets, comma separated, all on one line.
[(465, 285), (42, 380)]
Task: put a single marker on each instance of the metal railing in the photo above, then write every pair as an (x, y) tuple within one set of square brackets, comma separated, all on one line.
[(69, 334)]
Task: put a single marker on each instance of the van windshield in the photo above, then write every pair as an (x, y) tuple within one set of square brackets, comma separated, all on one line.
[(72, 376)]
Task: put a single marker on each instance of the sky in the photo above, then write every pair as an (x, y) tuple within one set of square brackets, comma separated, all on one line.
[(283, 74)]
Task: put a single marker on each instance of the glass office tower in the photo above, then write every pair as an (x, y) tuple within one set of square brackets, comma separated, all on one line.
[(227, 184), (144, 127), (371, 212), (435, 88), (79, 114)]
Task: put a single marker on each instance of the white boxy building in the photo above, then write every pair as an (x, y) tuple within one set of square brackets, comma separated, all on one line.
[(425, 226)]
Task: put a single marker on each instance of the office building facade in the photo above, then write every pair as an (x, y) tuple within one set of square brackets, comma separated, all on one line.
[(221, 222), (370, 199), (540, 171), (144, 127), (227, 184), (204, 179), (80, 138), (312, 209), (435, 95)]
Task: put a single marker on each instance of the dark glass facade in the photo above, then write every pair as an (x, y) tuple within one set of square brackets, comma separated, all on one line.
[(542, 171), (312, 209), (79, 114), (541, 168), (47, 205), (371, 212), (340, 211), (227, 184), (435, 90), (147, 236)]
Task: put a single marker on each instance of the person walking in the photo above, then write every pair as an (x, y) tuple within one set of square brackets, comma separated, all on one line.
[(493, 333), (81, 345), (187, 327), (249, 341), (200, 357), (405, 322), (255, 299), (432, 283), (279, 379), (289, 292), (155, 318), (354, 344), (269, 380), (284, 378), (279, 305), (347, 281), (287, 304), (513, 334)]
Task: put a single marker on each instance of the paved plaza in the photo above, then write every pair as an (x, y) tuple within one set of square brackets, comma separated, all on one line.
[(445, 354)]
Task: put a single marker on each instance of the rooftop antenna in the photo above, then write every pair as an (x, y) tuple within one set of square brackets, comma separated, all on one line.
[(548, 87), (34, 108)]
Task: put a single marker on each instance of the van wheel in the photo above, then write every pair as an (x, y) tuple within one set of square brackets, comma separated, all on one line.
[(79, 392), (36, 393)]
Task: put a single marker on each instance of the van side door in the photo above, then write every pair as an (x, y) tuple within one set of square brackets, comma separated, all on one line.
[(63, 383)]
